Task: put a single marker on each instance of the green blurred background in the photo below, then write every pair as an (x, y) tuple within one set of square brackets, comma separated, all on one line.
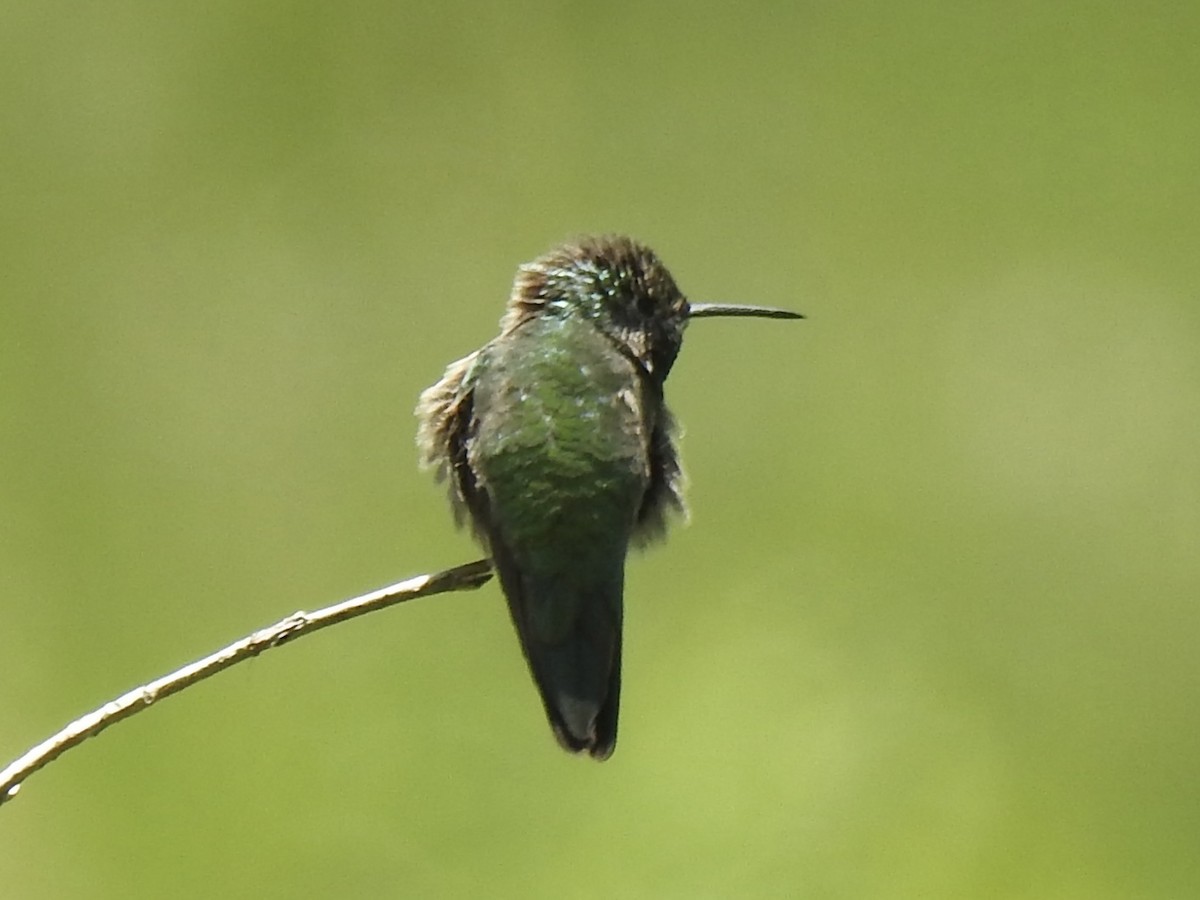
[(932, 629)]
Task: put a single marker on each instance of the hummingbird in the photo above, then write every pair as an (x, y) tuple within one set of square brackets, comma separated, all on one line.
[(559, 453)]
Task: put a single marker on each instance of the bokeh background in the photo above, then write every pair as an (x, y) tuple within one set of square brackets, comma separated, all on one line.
[(932, 629)]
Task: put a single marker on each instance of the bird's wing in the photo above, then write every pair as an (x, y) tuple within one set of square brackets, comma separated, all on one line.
[(664, 493), (446, 421)]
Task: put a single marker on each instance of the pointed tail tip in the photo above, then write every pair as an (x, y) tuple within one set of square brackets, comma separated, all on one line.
[(598, 747), (602, 750), (597, 750)]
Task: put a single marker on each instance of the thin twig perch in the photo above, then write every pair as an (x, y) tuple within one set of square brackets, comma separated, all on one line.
[(464, 577)]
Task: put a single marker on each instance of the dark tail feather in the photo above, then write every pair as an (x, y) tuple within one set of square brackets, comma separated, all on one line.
[(576, 663), (582, 720)]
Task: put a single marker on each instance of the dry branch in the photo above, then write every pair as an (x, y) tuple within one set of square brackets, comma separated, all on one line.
[(464, 577)]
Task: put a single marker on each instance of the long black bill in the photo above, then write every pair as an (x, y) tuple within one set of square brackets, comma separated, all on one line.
[(698, 310)]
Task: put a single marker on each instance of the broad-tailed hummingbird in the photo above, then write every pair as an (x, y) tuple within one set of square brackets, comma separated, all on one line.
[(558, 449)]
